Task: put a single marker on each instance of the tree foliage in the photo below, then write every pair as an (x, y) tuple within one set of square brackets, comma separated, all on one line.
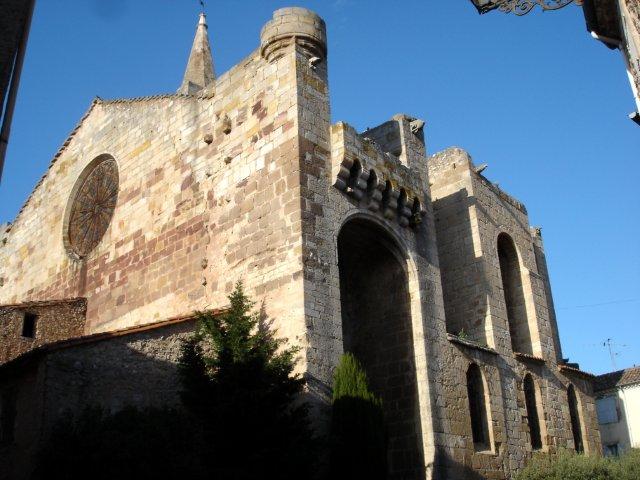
[(242, 415), (240, 386), (358, 438)]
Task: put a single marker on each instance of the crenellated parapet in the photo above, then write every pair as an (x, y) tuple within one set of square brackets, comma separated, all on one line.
[(293, 25), (377, 180)]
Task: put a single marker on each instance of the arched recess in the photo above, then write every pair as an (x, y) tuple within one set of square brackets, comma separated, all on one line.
[(574, 414), (514, 298), (377, 329), (532, 402), (478, 408)]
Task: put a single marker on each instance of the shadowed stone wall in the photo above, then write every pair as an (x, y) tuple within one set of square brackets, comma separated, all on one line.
[(128, 369)]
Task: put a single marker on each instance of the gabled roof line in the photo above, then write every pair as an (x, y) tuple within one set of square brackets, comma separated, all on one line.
[(102, 336), (145, 98), (96, 101), (55, 158), (577, 371), (618, 379), (42, 303)]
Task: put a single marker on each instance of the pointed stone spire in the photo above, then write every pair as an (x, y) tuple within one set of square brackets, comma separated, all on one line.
[(199, 73)]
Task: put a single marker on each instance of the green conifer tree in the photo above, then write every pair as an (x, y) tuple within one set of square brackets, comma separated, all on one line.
[(358, 438), (240, 387)]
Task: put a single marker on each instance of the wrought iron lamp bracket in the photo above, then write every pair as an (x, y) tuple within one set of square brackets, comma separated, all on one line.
[(522, 7)]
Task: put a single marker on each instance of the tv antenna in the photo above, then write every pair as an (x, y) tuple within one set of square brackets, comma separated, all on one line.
[(610, 344)]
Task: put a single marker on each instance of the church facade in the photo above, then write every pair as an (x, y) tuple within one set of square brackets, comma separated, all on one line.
[(429, 273)]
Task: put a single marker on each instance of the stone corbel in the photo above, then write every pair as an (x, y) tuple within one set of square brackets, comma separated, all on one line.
[(390, 202), (342, 180), (358, 184), (374, 189), (404, 213)]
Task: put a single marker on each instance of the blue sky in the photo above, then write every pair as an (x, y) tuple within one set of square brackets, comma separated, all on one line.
[(535, 97)]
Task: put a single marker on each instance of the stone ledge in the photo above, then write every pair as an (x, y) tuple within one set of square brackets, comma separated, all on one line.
[(525, 357), (501, 193), (576, 371), (468, 343)]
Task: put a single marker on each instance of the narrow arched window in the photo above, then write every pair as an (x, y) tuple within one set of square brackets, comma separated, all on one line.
[(478, 408), (514, 298), (574, 413), (533, 418)]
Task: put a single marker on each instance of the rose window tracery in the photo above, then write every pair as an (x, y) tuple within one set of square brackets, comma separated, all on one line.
[(92, 206)]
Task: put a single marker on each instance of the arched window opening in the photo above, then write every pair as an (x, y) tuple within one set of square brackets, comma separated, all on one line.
[(574, 413), (478, 409), (377, 330), (514, 298), (533, 418)]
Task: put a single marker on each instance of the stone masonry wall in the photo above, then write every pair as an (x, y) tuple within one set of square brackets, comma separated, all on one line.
[(133, 369), (55, 321), (209, 195), (338, 187), (138, 369), (470, 214)]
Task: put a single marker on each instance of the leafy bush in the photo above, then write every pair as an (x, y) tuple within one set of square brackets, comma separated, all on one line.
[(358, 440), (627, 466), (568, 465)]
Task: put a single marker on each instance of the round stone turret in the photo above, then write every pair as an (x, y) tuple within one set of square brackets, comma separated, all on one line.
[(294, 24)]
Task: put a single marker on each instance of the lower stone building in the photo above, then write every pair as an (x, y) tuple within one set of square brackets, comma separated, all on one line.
[(154, 207)]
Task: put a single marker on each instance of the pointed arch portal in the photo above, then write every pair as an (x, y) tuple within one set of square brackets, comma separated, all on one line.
[(376, 328)]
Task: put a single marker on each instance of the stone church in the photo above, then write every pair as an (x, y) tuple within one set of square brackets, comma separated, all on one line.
[(351, 241)]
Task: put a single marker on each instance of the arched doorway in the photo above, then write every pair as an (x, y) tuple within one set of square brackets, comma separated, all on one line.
[(376, 328)]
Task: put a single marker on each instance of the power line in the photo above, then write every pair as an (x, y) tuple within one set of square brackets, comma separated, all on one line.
[(613, 302)]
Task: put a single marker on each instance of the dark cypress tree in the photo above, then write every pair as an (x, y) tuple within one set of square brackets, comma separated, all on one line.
[(240, 387), (358, 437)]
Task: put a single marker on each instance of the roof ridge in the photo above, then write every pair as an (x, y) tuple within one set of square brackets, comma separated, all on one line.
[(43, 303), (617, 379), (160, 96), (100, 336)]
